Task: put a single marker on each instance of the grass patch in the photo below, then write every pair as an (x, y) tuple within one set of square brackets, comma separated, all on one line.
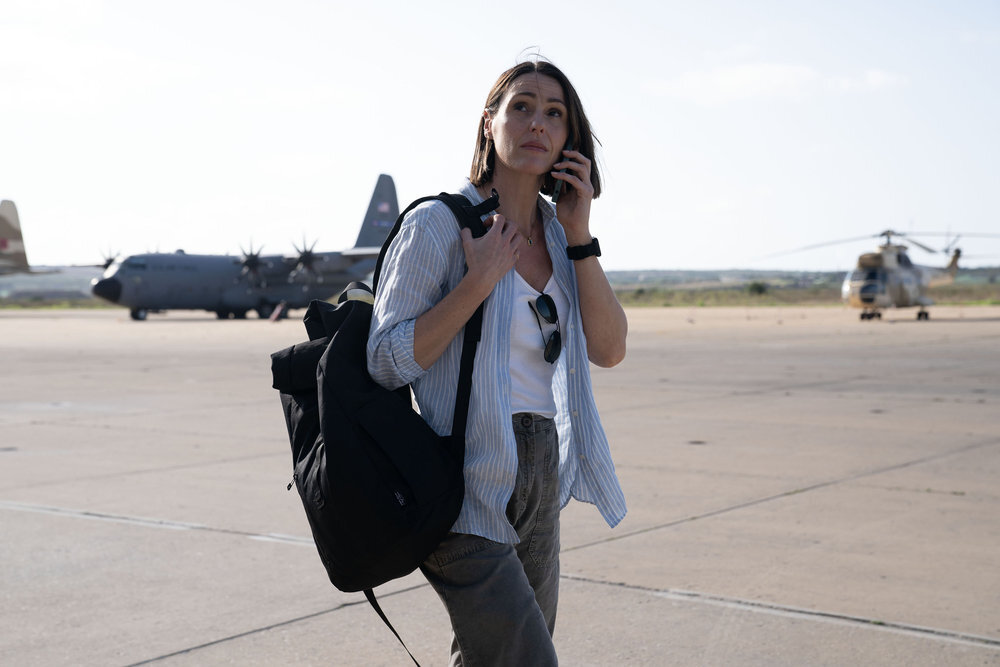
[(762, 294), (728, 296)]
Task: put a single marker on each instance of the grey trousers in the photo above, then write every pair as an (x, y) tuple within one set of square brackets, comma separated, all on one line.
[(502, 598)]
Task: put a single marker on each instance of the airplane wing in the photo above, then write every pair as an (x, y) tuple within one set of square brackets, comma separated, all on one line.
[(362, 252)]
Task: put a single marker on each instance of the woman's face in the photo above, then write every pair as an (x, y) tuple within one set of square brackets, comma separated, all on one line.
[(530, 127)]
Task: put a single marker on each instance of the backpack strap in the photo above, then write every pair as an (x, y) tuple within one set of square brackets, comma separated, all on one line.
[(468, 215), (370, 594)]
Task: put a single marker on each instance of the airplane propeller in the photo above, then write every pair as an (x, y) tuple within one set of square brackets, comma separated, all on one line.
[(252, 264), (109, 259), (306, 262)]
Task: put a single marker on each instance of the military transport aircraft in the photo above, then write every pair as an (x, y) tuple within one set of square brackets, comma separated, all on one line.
[(230, 286)]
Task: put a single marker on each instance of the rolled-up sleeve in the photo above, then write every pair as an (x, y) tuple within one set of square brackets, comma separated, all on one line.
[(414, 278)]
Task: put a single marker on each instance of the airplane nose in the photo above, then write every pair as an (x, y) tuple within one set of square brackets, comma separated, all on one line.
[(107, 288)]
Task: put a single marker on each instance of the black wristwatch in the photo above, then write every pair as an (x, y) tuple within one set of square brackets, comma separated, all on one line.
[(592, 249)]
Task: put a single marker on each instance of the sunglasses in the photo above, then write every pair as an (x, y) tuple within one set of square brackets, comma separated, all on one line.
[(545, 308)]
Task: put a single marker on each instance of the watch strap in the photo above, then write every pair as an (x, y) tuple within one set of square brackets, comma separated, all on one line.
[(592, 249)]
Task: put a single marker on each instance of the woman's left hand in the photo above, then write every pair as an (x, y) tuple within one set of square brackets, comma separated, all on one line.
[(573, 207)]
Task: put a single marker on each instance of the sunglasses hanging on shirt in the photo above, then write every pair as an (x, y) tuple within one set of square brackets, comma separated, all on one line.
[(545, 308)]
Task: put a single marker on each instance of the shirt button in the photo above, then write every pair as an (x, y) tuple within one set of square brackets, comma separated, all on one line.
[(572, 371), (576, 414)]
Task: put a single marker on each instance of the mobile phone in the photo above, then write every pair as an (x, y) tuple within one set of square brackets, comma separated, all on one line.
[(557, 189)]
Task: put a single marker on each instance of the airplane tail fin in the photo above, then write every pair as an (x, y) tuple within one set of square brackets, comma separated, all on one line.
[(382, 213), (12, 256)]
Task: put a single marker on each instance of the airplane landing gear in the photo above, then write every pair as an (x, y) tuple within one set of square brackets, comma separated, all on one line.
[(870, 315), (923, 315), (138, 314)]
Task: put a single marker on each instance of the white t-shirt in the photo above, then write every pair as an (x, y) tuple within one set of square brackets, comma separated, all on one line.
[(530, 374)]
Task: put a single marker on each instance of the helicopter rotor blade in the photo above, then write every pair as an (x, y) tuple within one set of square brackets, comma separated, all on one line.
[(910, 239), (821, 245), (888, 234)]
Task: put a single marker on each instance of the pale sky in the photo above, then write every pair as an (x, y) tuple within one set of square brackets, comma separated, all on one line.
[(730, 130)]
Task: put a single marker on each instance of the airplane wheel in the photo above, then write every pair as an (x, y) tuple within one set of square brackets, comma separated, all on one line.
[(138, 314), (223, 314), (240, 315), (265, 310)]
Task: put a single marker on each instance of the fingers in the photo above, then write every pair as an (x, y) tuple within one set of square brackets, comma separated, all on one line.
[(576, 156), (497, 250), (577, 170)]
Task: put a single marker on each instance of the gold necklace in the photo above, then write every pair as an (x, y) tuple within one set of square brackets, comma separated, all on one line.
[(531, 242)]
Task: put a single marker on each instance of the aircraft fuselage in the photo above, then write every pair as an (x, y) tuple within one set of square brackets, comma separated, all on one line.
[(888, 279), (219, 283), (230, 286)]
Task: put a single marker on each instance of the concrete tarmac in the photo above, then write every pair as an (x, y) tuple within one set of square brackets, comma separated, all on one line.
[(804, 489)]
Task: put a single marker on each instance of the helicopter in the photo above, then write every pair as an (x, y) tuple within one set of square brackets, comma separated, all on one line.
[(888, 278)]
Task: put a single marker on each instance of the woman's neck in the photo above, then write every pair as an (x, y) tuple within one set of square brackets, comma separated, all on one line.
[(518, 198)]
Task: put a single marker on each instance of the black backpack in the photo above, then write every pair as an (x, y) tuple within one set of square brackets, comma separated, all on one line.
[(380, 488)]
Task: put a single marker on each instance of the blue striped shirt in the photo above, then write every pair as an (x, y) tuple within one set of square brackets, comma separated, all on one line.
[(425, 262)]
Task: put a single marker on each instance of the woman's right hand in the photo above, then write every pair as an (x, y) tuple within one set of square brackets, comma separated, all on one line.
[(489, 258), (492, 255)]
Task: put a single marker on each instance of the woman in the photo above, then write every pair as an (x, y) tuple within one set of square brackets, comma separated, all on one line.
[(534, 438)]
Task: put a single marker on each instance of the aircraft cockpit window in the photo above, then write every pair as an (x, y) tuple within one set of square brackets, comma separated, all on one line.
[(904, 260), (868, 275), (134, 265)]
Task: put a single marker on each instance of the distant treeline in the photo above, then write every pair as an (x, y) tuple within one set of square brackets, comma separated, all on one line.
[(742, 277), (971, 287), (634, 288)]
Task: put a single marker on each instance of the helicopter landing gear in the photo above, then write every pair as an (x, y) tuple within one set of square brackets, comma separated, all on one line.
[(923, 315), (871, 315)]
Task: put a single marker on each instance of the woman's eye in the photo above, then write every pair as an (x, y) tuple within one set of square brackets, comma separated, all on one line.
[(555, 113), (520, 106)]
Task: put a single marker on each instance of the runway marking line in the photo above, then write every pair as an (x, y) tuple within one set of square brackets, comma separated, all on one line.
[(671, 594), (152, 523), (786, 494), (755, 606)]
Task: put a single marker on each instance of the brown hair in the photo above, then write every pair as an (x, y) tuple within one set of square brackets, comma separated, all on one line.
[(580, 134)]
